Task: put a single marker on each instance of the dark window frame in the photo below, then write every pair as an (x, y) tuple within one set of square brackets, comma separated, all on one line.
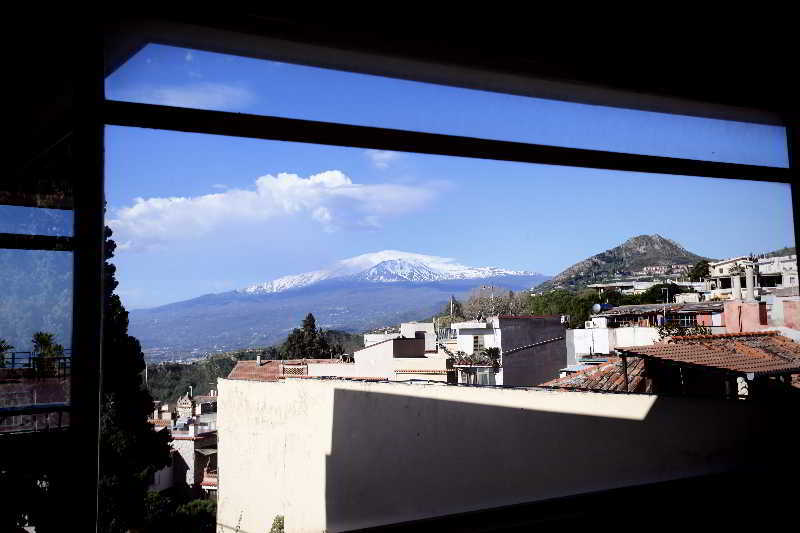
[(122, 39)]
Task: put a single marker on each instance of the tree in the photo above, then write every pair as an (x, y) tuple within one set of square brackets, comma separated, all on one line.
[(658, 293), (699, 271), (307, 341), (494, 356), (483, 303), (130, 449), (196, 516), (45, 347)]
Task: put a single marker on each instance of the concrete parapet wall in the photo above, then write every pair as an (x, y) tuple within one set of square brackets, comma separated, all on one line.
[(334, 455)]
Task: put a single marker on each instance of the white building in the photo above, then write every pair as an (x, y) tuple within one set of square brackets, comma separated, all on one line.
[(729, 276), (408, 330), (396, 359), (532, 348)]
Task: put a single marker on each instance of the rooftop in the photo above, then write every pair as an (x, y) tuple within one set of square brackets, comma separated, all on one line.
[(758, 353), (605, 377), (698, 307), (250, 370)]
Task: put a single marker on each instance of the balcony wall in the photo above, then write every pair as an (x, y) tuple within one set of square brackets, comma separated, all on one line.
[(335, 455)]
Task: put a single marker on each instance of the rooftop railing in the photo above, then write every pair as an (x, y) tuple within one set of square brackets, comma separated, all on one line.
[(30, 364)]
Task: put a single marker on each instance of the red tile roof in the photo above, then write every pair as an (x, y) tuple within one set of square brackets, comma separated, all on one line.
[(159, 422), (764, 353), (606, 377), (311, 361), (428, 371), (249, 370), (204, 398)]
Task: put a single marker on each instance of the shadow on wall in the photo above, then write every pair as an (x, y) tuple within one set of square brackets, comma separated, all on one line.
[(397, 458)]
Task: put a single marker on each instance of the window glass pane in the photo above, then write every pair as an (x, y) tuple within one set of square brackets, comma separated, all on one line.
[(266, 210), (189, 78), (263, 267), (36, 338), (35, 221)]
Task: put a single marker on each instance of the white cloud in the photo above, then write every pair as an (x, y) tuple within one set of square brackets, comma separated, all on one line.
[(188, 56), (218, 96), (220, 186), (381, 158), (329, 198)]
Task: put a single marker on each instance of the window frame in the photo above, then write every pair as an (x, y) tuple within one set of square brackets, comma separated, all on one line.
[(122, 39)]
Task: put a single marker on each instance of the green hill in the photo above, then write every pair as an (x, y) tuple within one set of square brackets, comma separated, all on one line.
[(632, 255)]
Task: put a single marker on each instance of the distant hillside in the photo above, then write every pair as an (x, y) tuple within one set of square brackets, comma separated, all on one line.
[(788, 250), (632, 255), (238, 319)]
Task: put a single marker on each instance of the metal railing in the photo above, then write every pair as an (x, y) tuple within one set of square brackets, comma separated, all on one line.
[(38, 365)]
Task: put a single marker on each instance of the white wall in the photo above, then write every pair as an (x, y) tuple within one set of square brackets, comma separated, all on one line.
[(633, 336), (335, 455), (410, 329), (381, 361), (592, 340), (603, 340), (374, 338), (465, 341)]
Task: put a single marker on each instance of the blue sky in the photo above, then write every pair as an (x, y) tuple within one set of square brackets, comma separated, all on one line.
[(198, 213)]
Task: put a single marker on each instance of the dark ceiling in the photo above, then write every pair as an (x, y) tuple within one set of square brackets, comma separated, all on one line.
[(744, 71)]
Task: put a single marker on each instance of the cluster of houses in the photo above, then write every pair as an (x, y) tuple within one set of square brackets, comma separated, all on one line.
[(748, 350), (192, 423)]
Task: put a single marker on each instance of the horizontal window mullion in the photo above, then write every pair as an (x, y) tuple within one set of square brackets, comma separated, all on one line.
[(16, 241), (297, 130)]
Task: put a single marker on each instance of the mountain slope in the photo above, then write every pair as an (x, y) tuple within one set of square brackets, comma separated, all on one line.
[(634, 254), (354, 295)]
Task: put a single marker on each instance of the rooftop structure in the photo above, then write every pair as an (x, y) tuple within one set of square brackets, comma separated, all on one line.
[(728, 277), (732, 365), (752, 354)]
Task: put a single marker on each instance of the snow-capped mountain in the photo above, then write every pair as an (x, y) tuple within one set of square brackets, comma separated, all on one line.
[(400, 270), (354, 294), (386, 266)]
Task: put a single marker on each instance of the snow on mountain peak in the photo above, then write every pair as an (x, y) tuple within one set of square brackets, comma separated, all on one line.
[(385, 266)]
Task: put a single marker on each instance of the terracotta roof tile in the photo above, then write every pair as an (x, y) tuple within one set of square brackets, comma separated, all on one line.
[(249, 370), (606, 377), (743, 353), (428, 371)]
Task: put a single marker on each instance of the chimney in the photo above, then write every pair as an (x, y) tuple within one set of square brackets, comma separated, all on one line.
[(258, 360), (750, 282), (190, 391)]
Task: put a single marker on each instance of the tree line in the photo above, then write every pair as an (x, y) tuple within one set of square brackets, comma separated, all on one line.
[(169, 381)]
